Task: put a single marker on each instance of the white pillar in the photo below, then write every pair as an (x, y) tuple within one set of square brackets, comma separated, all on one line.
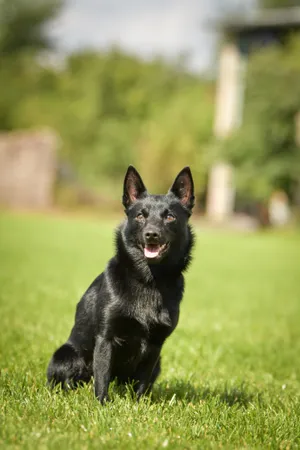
[(229, 100), (220, 200), (228, 92)]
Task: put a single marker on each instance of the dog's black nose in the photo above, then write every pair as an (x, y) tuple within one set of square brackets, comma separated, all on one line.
[(152, 236)]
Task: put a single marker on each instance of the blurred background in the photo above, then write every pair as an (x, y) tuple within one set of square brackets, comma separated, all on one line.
[(91, 86)]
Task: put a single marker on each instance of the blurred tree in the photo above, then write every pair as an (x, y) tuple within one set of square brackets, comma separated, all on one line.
[(23, 34), (23, 25), (177, 134)]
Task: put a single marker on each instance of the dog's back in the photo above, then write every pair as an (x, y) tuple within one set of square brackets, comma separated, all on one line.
[(127, 313)]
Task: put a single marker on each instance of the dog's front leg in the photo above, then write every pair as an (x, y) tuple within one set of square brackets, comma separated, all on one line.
[(102, 367), (145, 370)]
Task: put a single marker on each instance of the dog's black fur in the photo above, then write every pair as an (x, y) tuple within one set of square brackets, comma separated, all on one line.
[(130, 309)]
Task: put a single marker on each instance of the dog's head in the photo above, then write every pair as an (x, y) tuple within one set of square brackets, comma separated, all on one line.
[(157, 225)]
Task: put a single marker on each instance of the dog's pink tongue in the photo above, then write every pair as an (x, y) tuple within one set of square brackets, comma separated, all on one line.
[(151, 251)]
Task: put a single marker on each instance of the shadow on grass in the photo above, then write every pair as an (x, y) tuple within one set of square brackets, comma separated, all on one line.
[(170, 391), (186, 391)]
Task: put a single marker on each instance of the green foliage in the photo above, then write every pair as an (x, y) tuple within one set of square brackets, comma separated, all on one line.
[(177, 135), (231, 370), (23, 35), (111, 100), (22, 25), (264, 149), (106, 106)]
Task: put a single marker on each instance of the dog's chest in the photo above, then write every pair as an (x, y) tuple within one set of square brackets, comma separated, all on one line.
[(145, 316)]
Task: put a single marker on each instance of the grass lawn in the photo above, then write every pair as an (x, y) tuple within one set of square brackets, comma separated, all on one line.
[(231, 370)]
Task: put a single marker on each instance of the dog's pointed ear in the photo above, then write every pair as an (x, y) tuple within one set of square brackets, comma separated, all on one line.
[(183, 188), (134, 187)]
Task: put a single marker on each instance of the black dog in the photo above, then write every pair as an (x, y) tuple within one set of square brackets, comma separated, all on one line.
[(130, 309)]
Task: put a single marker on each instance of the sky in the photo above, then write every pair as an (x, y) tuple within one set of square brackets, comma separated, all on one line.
[(145, 27)]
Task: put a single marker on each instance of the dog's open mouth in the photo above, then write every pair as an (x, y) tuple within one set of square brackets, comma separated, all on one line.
[(152, 251)]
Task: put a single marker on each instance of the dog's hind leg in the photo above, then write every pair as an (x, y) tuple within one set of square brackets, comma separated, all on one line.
[(67, 367)]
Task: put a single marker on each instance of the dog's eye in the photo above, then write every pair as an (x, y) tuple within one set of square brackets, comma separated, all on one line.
[(170, 218), (140, 217)]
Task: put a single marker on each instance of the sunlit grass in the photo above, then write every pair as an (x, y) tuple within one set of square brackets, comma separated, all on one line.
[(231, 370)]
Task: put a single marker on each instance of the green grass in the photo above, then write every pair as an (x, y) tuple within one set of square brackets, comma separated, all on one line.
[(231, 370)]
